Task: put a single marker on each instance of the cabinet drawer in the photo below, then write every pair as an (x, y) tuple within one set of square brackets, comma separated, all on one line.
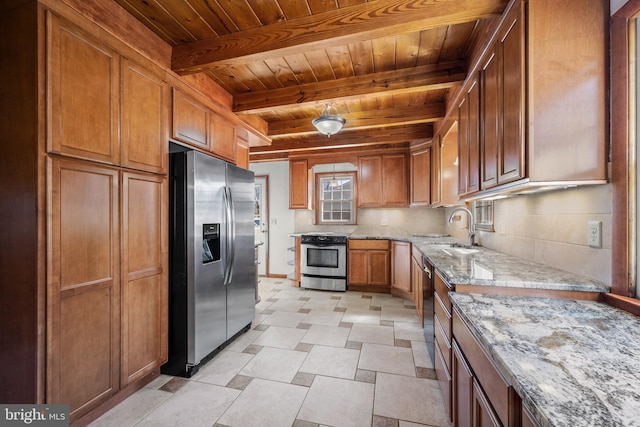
[(442, 289), (369, 244), (442, 343), (444, 379), (493, 384), (443, 316)]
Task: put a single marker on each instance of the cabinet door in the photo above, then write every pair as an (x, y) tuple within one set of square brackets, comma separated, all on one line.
[(358, 267), (473, 183), (190, 120), (401, 267), (144, 275), (483, 414), (370, 181), (417, 285), (491, 121), (421, 177), (83, 85), (144, 118), (242, 154), (436, 171), (223, 138), (463, 145), (298, 184), (462, 389), (394, 181), (379, 268), (511, 52), (83, 309)]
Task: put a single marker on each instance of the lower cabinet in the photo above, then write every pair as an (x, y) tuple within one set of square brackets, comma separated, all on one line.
[(106, 281), (481, 396), (368, 265), (401, 284), (417, 281)]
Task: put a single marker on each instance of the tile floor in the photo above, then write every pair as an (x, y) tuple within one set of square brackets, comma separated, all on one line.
[(312, 358)]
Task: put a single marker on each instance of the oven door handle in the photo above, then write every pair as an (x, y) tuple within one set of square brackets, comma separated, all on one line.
[(324, 245)]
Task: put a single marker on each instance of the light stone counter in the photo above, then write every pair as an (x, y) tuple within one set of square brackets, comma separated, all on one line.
[(573, 363)]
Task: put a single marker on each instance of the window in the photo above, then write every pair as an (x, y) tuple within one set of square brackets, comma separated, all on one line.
[(483, 214), (335, 198)]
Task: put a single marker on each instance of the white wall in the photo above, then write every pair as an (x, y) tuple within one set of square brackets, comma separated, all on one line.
[(551, 228), (281, 218)]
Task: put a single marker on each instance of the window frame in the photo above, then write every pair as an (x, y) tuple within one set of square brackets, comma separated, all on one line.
[(624, 99), (318, 201)]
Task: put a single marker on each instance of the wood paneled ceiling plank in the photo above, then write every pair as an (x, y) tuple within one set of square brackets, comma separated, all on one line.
[(321, 6), (189, 19), (360, 22), (301, 68), (384, 53), (157, 19), (455, 45), (427, 77), (264, 75), (241, 13), (362, 57), (431, 42), (282, 72), (267, 11), (340, 59), (394, 116), (239, 79), (293, 9), (215, 16), (319, 62), (407, 48)]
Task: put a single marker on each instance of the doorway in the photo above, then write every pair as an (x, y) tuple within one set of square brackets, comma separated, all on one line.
[(261, 222)]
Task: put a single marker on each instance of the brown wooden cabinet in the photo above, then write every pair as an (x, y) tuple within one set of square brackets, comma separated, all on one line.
[(190, 120), (298, 184), (469, 140), (421, 187), (462, 392), (83, 286), (83, 79), (223, 138), (368, 265), (144, 118), (382, 181), (144, 275), (401, 284)]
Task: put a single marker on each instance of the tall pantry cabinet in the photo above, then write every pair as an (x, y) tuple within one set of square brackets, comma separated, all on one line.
[(88, 165)]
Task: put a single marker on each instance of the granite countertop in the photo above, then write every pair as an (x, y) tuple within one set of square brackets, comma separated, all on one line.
[(481, 266), (573, 363)]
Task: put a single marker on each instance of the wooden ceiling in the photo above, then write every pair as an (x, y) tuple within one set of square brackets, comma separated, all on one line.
[(385, 65)]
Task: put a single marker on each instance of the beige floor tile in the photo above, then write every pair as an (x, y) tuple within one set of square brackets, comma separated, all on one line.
[(196, 404), (222, 368), (283, 318), (265, 403), (421, 356), (291, 305), (329, 318), (355, 303), (159, 382), (410, 399), (358, 315), (384, 358), (372, 334), (320, 304), (386, 300), (338, 402), (408, 331), (241, 342), (133, 409), (397, 314), (280, 337), (331, 362), (275, 364), (334, 336)]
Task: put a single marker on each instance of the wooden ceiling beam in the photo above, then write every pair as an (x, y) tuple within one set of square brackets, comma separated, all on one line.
[(346, 25), (406, 80), (396, 116), (348, 139)]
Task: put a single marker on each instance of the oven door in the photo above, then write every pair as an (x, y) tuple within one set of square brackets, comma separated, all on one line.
[(323, 260)]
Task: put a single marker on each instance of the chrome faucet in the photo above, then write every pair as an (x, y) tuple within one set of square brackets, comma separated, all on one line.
[(472, 225)]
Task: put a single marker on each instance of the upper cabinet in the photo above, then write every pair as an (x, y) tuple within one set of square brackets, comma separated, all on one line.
[(382, 181), (298, 184), (533, 112), (190, 120), (223, 138), (421, 184), (144, 118), (83, 88)]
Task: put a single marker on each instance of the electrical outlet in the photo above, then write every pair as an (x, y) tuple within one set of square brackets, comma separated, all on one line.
[(595, 234), (384, 222)]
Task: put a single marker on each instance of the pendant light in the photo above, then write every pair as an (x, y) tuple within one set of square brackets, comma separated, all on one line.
[(329, 124), (334, 182)]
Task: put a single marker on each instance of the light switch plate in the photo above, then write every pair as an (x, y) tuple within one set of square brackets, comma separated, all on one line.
[(595, 234)]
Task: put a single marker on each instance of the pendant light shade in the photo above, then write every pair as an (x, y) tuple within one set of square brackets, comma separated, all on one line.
[(329, 124)]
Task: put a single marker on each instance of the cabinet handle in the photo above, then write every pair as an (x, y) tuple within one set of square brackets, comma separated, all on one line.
[(428, 271)]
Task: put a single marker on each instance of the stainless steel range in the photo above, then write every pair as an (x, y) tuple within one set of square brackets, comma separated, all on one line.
[(323, 261)]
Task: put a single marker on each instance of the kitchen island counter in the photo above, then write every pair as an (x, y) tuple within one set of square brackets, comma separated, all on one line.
[(573, 363)]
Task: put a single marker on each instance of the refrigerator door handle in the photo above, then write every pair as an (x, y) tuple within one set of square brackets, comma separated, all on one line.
[(232, 238), (227, 243)]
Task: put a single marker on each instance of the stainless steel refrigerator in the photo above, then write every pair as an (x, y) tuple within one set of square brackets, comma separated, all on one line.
[(211, 264)]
